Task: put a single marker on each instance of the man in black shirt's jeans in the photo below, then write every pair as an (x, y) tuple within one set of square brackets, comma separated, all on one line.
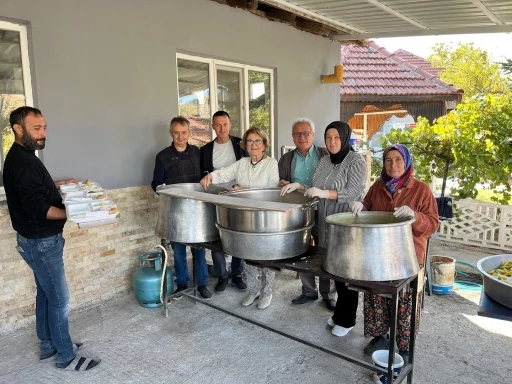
[(38, 216)]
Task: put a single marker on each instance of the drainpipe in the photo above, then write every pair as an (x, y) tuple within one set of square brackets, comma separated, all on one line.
[(337, 77)]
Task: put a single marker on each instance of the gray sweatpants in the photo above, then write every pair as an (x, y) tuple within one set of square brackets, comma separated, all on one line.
[(327, 287), (252, 275)]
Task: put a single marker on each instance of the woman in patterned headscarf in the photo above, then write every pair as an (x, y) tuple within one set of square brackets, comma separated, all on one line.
[(399, 192)]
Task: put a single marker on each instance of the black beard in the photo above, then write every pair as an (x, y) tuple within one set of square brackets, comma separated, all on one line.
[(29, 143)]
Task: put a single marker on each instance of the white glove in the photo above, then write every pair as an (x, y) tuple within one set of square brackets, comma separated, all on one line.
[(404, 211), (317, 192), (288, 188), (356, 207)]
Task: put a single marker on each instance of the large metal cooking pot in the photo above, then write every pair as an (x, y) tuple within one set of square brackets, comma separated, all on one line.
[(187, 220), (496, 289), (373, 246), (265, 246), (254, 220)]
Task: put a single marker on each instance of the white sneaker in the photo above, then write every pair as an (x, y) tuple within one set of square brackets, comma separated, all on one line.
[(340, 331), (249, 299), (330, 323), (264, 302)]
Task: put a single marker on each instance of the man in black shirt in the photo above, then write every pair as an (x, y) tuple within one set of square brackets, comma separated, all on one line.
[(179, 163), (38, 216)]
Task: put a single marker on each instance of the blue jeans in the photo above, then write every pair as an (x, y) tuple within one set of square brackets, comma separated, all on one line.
[(219, 265), (181, 268), (44, 257)]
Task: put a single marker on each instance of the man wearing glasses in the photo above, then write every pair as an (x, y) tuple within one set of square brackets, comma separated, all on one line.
[(296, 169)]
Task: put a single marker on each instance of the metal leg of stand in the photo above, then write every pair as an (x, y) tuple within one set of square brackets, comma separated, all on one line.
[(164, 289), (392, 336), (194, 271), (412, 338), (166, 308), (427, 267)]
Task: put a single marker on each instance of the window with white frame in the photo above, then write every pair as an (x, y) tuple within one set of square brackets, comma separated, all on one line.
[(15, 81), (246, 92)]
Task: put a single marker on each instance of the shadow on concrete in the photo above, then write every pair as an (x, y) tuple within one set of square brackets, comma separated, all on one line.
[(197, 344)]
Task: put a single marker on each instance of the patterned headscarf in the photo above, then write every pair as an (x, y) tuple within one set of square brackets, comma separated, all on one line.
[(344, 132), (394, 184)]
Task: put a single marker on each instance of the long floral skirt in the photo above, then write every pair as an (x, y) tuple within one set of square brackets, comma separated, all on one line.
[(377, 314)]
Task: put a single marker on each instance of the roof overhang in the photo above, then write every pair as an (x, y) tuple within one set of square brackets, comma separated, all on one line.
[(397, 98), (351, 20)]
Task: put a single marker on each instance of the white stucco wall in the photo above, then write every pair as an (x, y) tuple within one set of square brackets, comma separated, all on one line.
[(104, 75)]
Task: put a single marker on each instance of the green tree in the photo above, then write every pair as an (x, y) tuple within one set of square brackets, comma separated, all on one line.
[(259, 108), (8, 103), (469, 68), (472, 144), (507, 66)]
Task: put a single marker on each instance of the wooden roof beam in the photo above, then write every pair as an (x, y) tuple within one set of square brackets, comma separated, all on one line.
[(309, 25), (278, 14), (245, 4), (305, 13), (297, 17)]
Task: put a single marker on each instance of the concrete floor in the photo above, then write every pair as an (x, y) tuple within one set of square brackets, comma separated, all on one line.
[(197, 344)]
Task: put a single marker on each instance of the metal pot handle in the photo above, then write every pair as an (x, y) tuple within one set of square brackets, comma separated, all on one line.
[(312, 204)]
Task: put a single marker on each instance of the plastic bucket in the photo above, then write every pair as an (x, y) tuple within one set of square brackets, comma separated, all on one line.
[(380, 359), (442, 272)]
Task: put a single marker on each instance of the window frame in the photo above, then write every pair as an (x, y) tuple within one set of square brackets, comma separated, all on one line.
[(25, 68), (25, 59), (212, 74)]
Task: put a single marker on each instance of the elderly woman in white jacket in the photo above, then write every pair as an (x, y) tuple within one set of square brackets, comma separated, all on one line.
[(255, 171)]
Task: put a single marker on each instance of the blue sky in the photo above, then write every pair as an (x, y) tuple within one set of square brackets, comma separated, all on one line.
[(498, 45)]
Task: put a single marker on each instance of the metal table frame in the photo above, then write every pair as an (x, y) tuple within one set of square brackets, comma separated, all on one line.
[(312, 262)]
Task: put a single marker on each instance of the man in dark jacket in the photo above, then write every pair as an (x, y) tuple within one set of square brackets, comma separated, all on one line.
[(38, 216), (221, 152), (296, 170), (179, 163)]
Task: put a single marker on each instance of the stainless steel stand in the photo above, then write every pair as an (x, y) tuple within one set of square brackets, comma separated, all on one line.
[(312, 262)]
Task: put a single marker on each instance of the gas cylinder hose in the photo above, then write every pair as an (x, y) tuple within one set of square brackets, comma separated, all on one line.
[(164, 270)]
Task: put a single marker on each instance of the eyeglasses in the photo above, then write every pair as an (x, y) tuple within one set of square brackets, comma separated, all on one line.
[(305, 134), (255, 142)]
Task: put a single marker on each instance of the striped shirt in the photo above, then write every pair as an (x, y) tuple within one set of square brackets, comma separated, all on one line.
[(348, 178)]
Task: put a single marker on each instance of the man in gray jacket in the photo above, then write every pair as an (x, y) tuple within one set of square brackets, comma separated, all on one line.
[(296, 169)]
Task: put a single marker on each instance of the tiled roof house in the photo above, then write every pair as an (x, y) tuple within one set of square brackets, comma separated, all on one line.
[(374, 76), (418, 61)]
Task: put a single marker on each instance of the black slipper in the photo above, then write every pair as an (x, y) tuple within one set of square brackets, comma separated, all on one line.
[(79, 363), (76, 346)]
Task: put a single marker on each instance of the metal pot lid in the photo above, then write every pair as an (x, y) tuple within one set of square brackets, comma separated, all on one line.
[(368, 219), (274, 195), (196, 187)]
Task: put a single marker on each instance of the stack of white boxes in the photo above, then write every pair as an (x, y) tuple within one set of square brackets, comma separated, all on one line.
[(87, 204)]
